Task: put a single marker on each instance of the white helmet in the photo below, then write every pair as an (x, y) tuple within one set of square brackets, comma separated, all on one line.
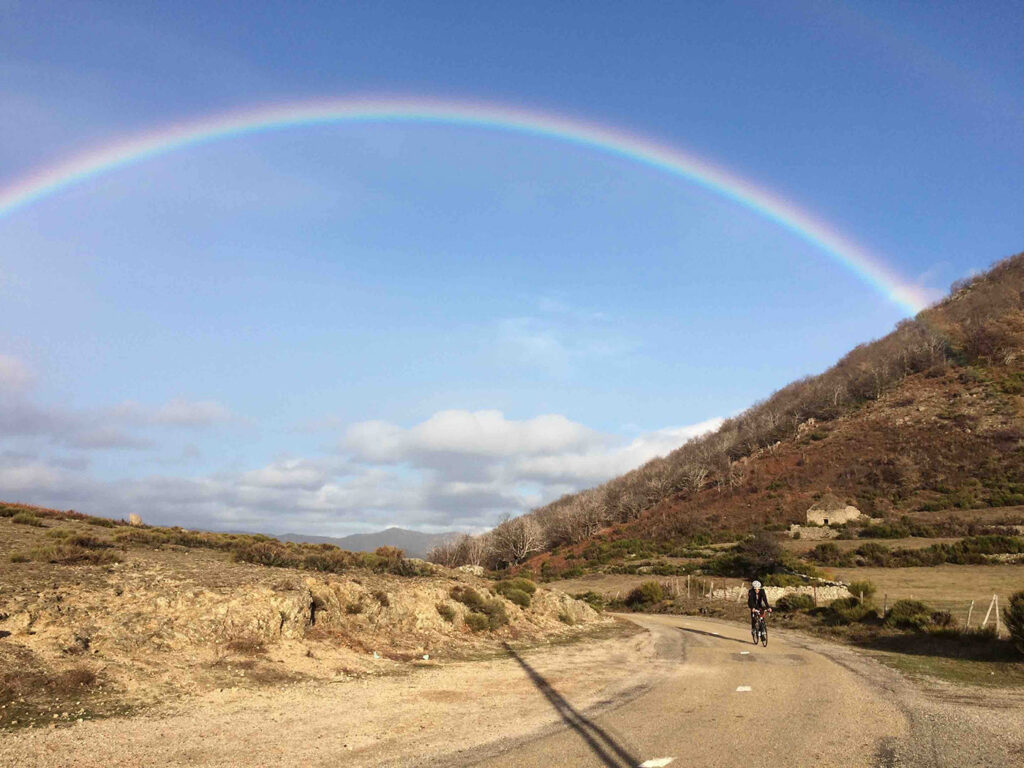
[(756, 585)]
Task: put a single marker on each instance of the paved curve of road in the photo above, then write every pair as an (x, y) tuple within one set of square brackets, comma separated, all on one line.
[(719, 701)]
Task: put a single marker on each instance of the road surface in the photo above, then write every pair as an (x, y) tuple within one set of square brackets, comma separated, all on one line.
[(688, 692), (721, 701)]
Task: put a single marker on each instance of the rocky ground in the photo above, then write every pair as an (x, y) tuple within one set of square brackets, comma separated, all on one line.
[(85, 641)]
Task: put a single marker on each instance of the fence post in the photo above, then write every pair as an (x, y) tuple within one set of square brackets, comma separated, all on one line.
[(997, 614), (989, 611), (885, 604), (970, 610), (815, 595), (687, 586)]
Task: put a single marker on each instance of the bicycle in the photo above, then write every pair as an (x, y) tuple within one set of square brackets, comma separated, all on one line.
[(760, 630)]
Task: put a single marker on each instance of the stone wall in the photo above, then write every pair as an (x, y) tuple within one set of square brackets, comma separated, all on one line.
[(825, 594), (813, 532), (818, 516)]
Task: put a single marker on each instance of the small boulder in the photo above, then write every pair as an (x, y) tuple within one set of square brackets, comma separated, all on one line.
[(134, 519)]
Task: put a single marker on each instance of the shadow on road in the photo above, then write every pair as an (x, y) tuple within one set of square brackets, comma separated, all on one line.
[(713, 636), (610, 752)]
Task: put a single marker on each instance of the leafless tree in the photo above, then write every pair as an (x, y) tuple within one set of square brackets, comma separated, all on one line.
[(516, 538)]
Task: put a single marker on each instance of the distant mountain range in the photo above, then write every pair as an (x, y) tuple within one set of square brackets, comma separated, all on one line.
[(414, 543)]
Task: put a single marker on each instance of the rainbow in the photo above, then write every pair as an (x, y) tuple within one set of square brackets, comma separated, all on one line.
[(54, 178)]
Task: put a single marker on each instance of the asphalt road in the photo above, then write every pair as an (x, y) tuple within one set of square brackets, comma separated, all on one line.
[(720, 701)]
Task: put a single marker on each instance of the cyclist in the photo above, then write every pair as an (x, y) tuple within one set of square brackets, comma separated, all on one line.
[(757, 600)]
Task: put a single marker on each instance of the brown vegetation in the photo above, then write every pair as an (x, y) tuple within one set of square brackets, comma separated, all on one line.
[(930, 417)]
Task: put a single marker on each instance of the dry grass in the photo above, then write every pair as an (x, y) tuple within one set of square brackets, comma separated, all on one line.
[(21, 683), (67, 554), (799, 546), (249, 646), (941, 583), (27, 518)]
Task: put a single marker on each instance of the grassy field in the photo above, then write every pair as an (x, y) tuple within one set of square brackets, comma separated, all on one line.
[(946, 587), (942, 582)]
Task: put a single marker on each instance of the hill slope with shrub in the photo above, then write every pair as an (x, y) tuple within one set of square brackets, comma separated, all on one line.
[(97, 616), (928, 420)]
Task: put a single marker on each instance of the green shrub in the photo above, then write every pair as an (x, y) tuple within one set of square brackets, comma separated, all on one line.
[(143, 536), (909, 614), (875, 554), (265, 553), (353, 608), (477, 622), (593, 599), (468, 596), (101, 522), (648, 593), (1013, 615), (517, 596), (71, 554), (71, 538), (519, 582), (566, 618), (795, 602), (864, 590), (20, 557), (847, 610), (517, 590), (382, 598), (327, 561), (828, 553), (494, 610), (782, 580), (446, 612), (27, 518)]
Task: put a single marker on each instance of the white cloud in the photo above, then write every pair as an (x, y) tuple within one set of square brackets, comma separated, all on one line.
[(114, 427), (479, 433), (596, 466), (294, 473), (15, 376), (173, 413), (457, 469), (184, 413)]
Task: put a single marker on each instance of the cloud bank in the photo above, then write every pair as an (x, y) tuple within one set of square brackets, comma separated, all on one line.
[(456, 469)]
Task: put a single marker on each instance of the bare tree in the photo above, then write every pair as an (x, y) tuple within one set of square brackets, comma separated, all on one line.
[(445, 553), (515, 539)]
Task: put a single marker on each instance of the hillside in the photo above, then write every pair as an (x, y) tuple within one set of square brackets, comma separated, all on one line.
[(107, 617), (928, 420), (413, 543)]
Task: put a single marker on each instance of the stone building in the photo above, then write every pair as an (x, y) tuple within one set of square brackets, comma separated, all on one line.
[(829, 510)]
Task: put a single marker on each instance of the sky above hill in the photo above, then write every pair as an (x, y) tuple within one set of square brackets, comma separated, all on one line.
[(338, 326)]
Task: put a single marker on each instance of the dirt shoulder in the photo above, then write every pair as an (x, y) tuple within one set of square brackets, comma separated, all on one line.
[(397, 720)]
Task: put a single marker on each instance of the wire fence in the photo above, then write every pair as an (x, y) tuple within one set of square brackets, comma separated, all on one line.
[(985, 610), (982, 611)]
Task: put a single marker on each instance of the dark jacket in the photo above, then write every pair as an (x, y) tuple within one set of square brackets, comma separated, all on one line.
[(757, 599)]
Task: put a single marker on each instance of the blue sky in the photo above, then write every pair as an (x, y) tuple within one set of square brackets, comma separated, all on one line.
[(333, 329)]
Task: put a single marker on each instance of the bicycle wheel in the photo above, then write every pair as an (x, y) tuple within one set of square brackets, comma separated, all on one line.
[(764, 634)]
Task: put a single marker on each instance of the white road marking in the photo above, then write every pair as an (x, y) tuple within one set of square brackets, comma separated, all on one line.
[(715, 634), (743, 688), (744, 653), (657, 762)]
